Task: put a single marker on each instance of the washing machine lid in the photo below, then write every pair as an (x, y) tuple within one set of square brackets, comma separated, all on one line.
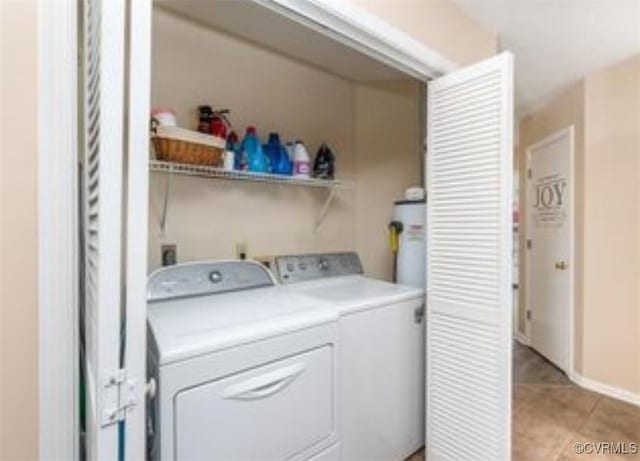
[(356, 292), (199, 308), (183, 328)]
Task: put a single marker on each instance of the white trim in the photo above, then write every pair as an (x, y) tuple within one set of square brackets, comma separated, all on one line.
[(137, 200), (57, 230), (367, 33), (521, 338), (606, 389), (569, 131)]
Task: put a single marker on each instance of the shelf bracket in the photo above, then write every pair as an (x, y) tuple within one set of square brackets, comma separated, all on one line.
[(325, 208), (165, 203)]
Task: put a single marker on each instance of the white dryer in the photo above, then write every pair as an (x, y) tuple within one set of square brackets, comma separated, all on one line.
[(382, 353), (246, 370)]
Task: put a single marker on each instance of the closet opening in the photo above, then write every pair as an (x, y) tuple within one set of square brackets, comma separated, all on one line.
[(242, 67)]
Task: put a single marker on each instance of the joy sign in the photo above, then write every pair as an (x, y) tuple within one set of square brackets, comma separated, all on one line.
[(549, 201)]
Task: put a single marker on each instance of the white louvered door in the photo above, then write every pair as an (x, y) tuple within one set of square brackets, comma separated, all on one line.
[(103, 58), (469, 237)]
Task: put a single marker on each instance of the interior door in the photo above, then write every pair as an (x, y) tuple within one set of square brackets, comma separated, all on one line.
[(469, 241), (549, 201), (114, 195)]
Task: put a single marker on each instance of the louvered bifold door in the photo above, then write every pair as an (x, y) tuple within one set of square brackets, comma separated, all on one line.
[(102, 140), (469, 225)]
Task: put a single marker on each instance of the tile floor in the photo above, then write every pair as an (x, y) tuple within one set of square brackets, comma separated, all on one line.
[(551, 415)]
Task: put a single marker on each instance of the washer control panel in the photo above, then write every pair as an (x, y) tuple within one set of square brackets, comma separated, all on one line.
[(206, 278), (298, 268)]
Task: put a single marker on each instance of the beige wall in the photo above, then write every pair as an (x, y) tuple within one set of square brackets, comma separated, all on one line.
[(612, 226), (388, 159), (605, 109), (18, 232), (438, 24), (566, 110), (207, 218)]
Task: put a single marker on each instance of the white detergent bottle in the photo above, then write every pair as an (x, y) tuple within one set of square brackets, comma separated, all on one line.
[(301, 161)]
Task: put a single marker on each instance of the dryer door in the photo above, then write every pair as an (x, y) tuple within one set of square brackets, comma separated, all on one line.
[(274, 411)]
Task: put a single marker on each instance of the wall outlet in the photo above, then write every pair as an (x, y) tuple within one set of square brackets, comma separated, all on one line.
[(241, 249), (169, 254)]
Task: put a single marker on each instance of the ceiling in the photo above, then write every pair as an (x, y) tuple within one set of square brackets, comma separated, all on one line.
[(261, 26), (557, 42)]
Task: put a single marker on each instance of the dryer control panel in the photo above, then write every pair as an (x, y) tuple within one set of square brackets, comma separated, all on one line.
[(206, 278), (299, 268)]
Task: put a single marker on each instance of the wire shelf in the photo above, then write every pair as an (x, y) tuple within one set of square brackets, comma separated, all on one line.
[(213, 172)]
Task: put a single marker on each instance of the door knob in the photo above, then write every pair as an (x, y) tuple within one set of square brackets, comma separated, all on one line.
[(561, 265)]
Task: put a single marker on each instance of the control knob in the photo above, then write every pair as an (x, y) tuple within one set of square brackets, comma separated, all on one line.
[(323, 264)]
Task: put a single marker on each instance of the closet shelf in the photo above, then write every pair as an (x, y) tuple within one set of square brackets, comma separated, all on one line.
[(213, 172), (171, 168)]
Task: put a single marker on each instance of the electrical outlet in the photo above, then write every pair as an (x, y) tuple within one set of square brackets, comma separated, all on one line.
[(241, 249), (169, 254)]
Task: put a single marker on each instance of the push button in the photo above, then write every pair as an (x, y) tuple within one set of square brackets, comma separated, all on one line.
[(215, 276)]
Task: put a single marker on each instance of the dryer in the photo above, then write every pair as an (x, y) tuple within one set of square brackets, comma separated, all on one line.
[(245, 369), (382, 350)]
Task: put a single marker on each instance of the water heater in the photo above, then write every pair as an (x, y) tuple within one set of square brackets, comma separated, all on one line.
[(411, 248)]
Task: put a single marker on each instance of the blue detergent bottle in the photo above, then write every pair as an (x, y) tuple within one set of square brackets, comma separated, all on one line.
[(252, 150), (271, 151), (278, 155)]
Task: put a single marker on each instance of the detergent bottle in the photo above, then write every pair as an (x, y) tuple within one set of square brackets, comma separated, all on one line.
[(278, 155), (301, 161), (252, 150)]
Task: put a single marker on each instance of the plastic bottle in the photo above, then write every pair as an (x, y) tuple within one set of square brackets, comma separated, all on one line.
[(272, 152), (301, 161), (233, 145), (278, 156), (252, 150), (204, 116), (324, 163)]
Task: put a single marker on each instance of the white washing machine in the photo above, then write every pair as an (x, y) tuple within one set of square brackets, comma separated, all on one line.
[(382, 353), (246, 370)]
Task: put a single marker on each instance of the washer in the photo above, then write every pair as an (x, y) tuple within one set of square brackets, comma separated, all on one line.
[(245, 369), (382, 353)]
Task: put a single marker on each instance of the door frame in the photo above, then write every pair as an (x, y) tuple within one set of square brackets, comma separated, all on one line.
[(58, 355), (357, 28), (570, 340)]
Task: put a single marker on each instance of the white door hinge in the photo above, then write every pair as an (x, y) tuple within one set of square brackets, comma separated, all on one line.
[(119, 397)]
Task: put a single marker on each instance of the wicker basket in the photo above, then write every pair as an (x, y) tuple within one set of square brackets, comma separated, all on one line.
[(173, 144)]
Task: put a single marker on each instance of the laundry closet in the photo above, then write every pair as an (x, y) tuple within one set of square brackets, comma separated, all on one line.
[(395, 115)]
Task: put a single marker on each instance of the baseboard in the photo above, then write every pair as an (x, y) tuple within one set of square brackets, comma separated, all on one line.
[(591, 384), (521, 338), (606, 389)]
